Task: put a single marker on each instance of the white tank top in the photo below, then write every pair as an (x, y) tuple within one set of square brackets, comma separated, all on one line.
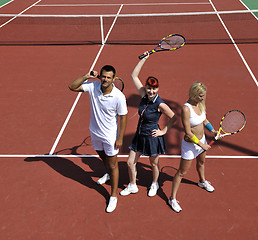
[(195, 119)]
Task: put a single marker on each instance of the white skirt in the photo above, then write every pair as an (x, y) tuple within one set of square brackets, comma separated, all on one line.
[(190, 150)]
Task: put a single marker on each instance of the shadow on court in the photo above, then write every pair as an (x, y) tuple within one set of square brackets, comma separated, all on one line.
[(69, 169), (144, 177)]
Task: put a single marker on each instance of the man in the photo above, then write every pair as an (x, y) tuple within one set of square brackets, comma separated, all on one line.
[(107, 103)]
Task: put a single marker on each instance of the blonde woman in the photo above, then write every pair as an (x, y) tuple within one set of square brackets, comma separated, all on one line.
[(194, 144)]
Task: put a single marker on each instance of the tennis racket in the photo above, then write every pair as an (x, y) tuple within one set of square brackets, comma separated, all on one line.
[(231, 123), (168, 43), (118, 82), (75, 149)]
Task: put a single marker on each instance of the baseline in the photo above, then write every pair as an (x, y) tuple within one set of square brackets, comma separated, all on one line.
[(117, 4), (121, 156)]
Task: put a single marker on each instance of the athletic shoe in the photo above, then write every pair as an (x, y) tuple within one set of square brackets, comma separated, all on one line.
[(174, 205), (131, 188), (111, 205), (206, 185), (104, 179), (153, 189)]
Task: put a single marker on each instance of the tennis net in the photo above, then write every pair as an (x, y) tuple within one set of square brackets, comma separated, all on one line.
[(141, 29)]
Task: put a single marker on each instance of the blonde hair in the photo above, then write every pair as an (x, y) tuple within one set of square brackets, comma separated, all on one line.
[(195, 90)]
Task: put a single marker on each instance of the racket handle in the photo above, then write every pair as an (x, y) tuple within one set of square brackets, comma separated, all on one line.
[(211, 142), (144, 55), (92, 74)]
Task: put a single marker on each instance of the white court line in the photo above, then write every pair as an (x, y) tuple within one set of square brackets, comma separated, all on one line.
[(235, 45), (120, 156), (130, 15), (19, 14), (6, 3), (117, 4), (80, 93)]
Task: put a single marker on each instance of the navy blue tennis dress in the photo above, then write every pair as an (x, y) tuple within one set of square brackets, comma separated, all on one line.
[(149, 117)]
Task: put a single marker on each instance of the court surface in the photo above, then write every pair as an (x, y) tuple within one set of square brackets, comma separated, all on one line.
[(49, 169)]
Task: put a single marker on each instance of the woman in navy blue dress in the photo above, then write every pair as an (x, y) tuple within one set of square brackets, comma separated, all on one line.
[(148, 139)]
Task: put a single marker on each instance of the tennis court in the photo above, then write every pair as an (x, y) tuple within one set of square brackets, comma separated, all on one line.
[(49, 168)]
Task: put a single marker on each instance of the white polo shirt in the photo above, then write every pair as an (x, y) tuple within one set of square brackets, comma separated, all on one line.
[(105, 110)]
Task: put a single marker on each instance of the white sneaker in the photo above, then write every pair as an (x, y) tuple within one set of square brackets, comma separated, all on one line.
[(153, 189), (104, 179), (206, 185), (131, 188), (174, 205), (111, 205)]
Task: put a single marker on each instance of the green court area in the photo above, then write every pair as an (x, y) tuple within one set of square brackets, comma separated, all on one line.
[(2, 2), (252, 4)]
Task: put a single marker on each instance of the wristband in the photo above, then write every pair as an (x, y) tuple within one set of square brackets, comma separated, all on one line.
[(209, 127), (194, 139)]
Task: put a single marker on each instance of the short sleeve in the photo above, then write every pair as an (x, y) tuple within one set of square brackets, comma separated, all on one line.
[(122, 106), (87, 86)]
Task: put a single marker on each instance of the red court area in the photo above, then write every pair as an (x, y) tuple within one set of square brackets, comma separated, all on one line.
[(57, 197)]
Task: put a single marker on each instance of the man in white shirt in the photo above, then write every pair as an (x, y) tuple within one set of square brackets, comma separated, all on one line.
[(107, 103)]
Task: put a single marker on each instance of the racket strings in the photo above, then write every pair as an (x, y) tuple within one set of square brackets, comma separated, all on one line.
[(172, 42), (233, 122), (118, 83)]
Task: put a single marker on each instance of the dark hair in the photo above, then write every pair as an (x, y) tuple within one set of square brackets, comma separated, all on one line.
[(108, 68), (152, 82)]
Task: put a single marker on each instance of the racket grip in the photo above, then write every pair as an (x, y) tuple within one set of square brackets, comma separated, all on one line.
[(144, 55), (211, 142), (92, 74)]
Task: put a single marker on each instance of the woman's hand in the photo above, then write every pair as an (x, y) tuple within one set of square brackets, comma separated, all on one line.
[(204, 146), (214, 132), (147, 54), (158, 132)]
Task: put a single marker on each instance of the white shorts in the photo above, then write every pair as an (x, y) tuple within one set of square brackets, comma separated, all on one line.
[(100, 144), (190, 150)]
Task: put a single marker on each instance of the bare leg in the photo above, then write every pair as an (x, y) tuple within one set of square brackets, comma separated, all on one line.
[(131, 163), (181, 172), (200, 160), (111, 165), (154, 161)]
